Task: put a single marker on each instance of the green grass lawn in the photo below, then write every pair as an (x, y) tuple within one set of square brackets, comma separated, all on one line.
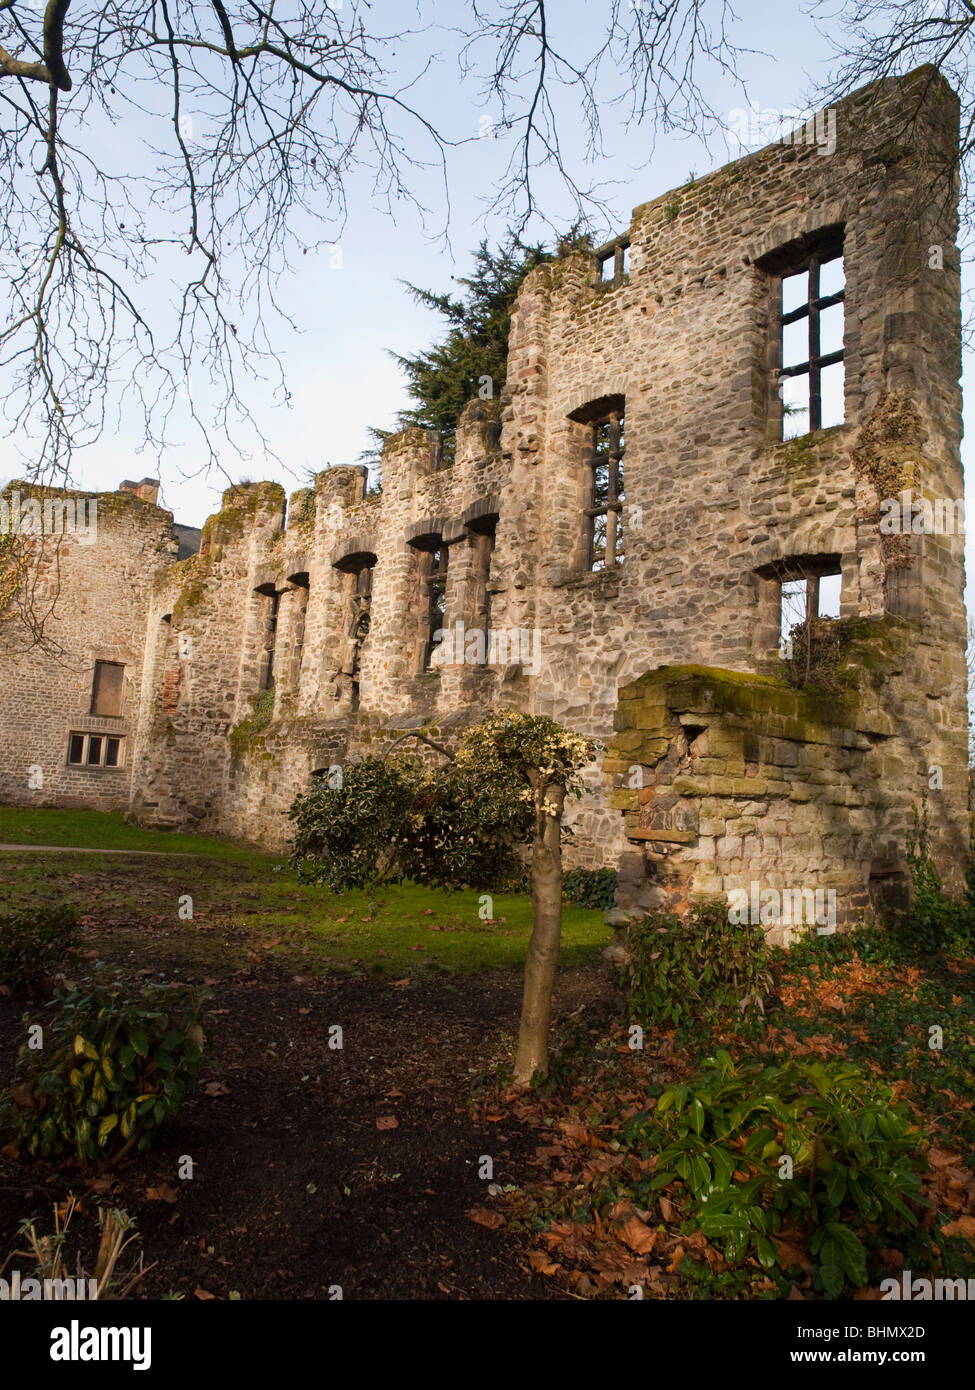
[(248, 905), (103, 830)]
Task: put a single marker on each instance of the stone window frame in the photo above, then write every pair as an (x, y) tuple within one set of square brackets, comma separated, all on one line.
[(362, 595), (300, 583), (272, 592), (425, 540), (614, 251), (360, 624), (807, 252), (433, 578), (105, 740), (355, 561), (96, 690), (607, 411), (812, 567), (480, 521)]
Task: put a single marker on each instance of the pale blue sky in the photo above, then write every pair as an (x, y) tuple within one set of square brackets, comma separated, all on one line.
[(338, 373)]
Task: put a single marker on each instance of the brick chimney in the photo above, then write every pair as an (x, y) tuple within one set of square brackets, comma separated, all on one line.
[(146, 491)]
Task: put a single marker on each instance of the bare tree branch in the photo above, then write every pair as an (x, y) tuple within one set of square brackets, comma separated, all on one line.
[(877, 39), (209, 144)]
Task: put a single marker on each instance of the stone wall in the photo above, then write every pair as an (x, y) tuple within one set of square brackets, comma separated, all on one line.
[(740, 784), (88, 594), (268, 655)]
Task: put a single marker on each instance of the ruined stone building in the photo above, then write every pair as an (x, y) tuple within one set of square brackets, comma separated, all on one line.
[(710, 413)]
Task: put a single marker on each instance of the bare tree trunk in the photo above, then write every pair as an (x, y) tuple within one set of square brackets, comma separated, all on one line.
[(531, 1056)]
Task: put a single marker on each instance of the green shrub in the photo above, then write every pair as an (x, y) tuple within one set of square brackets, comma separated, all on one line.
[(593, 888), (872, 944), (696, 970), (936, 922), (355, 833), (727, 1132), (392, 819), (517, 880), (35, 943), (472, 819), (115, 1063)]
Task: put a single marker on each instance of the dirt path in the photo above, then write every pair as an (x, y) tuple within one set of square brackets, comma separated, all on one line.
[(296, 1187), (82, 849)]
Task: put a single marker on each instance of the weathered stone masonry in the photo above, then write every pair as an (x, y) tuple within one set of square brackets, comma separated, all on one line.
[(98, 582), (299, 634)]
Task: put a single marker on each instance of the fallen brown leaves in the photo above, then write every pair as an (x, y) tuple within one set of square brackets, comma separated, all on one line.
[(638, 1236), (162, 1193), (963, 1226), (596, 1242), (541, 1264), (608, 1246), (950, 1186), (484, 1216), (791, 1253)]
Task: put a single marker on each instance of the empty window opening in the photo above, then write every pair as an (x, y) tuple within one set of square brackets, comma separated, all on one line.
[(793, 609), (435, 582), (613, 263), (482, 544), (811, 317), (300, 600), (808, 595), (107, 689), (829, 596), (361, 603), (356, 599), (268, 636), (603, 540)]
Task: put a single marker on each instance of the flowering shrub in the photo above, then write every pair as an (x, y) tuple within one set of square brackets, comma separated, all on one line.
[(531, 746), (397, 818), (393, 819)]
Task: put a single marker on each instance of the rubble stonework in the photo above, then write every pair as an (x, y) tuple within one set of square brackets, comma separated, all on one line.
[(728, 781), (90, 594), (757, 782)]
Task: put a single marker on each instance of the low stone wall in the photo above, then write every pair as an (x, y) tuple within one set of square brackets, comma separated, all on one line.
[(742, 787)]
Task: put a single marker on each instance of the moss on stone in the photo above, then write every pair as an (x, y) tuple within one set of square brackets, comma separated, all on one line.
[(240, 507), (193, 576), (892, 152), (799, 452), (802, 714), (246, 736), (302, 510)]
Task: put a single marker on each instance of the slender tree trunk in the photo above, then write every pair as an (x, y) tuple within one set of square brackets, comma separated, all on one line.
[(531, 1056)]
